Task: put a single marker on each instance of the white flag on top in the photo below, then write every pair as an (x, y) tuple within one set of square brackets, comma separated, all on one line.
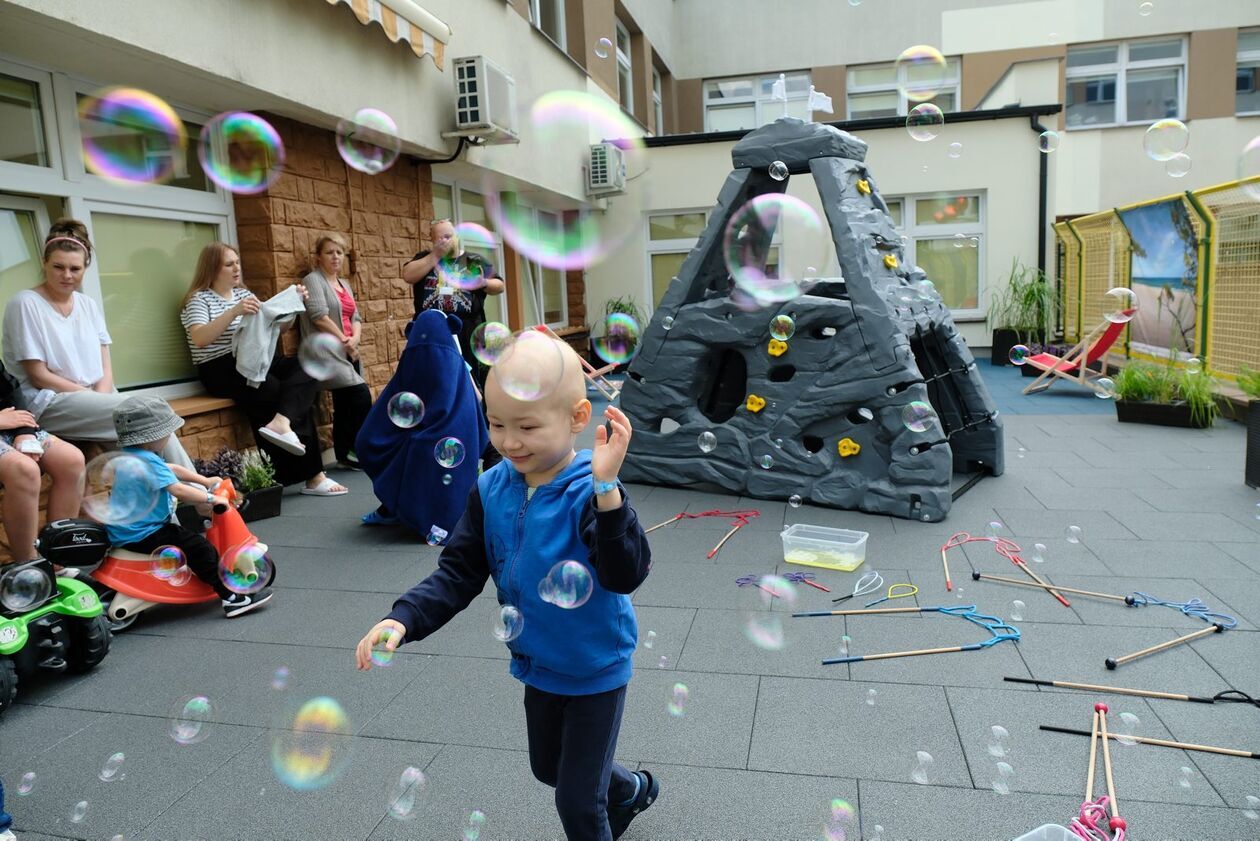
[(779, 89), (819, 101)]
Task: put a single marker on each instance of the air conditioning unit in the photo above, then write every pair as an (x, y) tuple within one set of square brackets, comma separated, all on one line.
[(606, 173), (485, 101)]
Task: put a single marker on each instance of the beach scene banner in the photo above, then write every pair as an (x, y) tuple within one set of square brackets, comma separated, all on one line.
[(1165, 277)]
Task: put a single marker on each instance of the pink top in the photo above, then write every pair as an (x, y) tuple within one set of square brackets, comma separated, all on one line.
[(347, 309)]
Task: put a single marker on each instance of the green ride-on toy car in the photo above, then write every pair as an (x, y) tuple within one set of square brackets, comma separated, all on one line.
[(46, 623)]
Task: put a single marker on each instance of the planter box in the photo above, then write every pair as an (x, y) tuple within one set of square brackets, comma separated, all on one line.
[(1252, 470), (1004, 340), (261, 504), (1160, 414)]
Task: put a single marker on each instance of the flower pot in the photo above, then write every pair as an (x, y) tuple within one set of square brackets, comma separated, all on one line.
[(261, 504), (1252, 471), (1003, 341), (1159, 414)]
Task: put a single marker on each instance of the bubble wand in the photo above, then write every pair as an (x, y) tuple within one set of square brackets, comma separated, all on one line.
[(1008, 549), (1000, 630)]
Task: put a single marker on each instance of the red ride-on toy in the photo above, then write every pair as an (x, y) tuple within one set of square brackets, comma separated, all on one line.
[(130, 583)]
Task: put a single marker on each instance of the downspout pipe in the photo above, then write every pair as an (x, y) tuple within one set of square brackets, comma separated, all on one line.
[(1043, 178)]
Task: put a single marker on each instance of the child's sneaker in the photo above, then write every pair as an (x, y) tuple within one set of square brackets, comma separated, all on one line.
[(619, 817), (240, 603), (8, 835)]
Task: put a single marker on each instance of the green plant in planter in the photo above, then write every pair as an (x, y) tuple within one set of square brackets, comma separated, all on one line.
[(1249, 382), (257, 472), (624, 304), (1026, 304), (1143, 382)]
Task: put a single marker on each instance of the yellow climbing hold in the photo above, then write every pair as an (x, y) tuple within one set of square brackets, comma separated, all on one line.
[(754, 403), (777, 348), (864, 186), (848, 447), (890, 260)]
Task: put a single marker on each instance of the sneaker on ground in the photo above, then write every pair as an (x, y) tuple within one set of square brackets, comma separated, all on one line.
[(619, 817), (241, 603), (8, 835)]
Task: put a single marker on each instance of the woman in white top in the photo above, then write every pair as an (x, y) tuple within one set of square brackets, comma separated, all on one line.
[(280, 409), (56, 344)]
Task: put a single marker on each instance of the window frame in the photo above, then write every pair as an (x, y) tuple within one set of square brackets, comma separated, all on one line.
[(896, 86), (1120, 69), (658, 102), (535, 20), (625, 61), (913, 231), (755, 99), (1243, 57), (11, 172)]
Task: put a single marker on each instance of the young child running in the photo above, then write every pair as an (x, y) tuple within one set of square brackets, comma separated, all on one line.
[(543, 504), (147, 489)]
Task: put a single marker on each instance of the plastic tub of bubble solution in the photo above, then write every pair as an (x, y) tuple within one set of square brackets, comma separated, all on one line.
[(821, 546), (1049, 832)]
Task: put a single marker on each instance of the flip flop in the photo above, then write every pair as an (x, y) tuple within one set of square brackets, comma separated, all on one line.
[(288, 442), (325, 488)]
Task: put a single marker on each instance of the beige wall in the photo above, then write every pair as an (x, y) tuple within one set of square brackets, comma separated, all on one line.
[(982, 71), (1213, 60)]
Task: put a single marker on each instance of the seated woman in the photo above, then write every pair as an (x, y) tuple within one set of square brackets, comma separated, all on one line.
[(56, 345), (279, 410), (413, 487), (25, 452), (330, 308)]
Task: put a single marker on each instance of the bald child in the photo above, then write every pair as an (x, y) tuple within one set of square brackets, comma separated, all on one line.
[(544, 504)]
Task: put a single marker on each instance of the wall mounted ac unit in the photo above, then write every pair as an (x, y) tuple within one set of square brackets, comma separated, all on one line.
[(485, 101), (606, 173)]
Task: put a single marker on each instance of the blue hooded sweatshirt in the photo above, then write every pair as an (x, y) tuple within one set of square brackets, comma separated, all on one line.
[(516, 541), (405, 474)]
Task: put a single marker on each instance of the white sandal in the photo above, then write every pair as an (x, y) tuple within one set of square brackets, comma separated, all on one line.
[(288, 442), (325, 488)]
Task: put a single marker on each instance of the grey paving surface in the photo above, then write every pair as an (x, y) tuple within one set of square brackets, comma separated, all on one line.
[(768, 738)]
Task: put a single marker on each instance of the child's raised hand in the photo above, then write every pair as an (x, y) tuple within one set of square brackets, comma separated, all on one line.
[(386, 631), (610, 452)]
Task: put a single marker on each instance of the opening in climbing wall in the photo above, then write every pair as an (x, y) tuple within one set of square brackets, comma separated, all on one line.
[(723, 383), (781, 373)]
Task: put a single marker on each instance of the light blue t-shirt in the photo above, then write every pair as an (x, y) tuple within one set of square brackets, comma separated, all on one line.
[(139, 500)]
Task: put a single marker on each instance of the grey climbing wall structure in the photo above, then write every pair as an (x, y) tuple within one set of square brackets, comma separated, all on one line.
[(826, 412)]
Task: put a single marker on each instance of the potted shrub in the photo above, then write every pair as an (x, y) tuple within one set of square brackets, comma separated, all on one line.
[(254, 477), (1020, 313), (1164, 395), (627, 306), (1249, 382)]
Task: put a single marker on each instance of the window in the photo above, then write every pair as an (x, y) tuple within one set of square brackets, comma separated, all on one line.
[(1247, 84), (1119, 84), (874, 90), (625, 69), (548, 16), (671, 236), (748, 103), (23, 223), (21, 122), (944, 235), (658, 110), (122, 140)]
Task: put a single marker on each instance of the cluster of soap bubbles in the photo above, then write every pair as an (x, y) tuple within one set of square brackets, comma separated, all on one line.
[(311, 748), (764, 627), (167, 563), (245, 569), (406, 410), (568, 585)]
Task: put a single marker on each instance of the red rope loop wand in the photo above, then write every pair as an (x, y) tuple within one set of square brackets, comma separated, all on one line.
[(740, 518), (1008, 549)]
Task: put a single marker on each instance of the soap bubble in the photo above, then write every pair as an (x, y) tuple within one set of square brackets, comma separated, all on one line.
[(1002, 781), (960, 240), (1178, 166), (840, 822), (190, 719), (618, 342), (79, 812), (746, 244), (924, 122), (165, 562), (1126, 729), (1252, 812), (917, 416), (241, 152), (1048, 141), (845, 642), (447, 479), (368, 142), (667, 323), (1165, 138), (764, 628), (955, 150), (449, 452), (131, 136), (381, 655), (1017, 610), (435, 536), (999, 741), (650, 640), (406, 410), (1038, 553), (1257, 511), (464, 273), (475, 822), (1185, 777), (924, 769), (663, 662), (181, 577), (531, 367), (112, 469), (678, 700), (871, 696), (1249, 167), (1105, 388), (782, 327), (795, 500), (26, 784), (112, 770), (778, 171), (569, 584), (603, 48), (411, 786), (246, 568), (993, 529), (1073, 534), (921, 72), (1019, 354), (1194, 365), (281, 678), (319, 355), (508, 623), (1119, 304), (311, 749), (706, 441), (490, 341), (1145, 9), (766, 461)]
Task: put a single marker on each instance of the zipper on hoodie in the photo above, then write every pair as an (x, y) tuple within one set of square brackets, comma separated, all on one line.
[(520, 539)]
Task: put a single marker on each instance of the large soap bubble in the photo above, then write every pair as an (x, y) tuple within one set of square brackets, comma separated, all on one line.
[(766, 273)]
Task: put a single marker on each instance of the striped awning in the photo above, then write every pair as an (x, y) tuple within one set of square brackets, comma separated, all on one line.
[(404, 20)]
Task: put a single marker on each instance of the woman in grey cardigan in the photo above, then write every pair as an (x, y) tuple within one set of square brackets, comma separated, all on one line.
[(330, 308)]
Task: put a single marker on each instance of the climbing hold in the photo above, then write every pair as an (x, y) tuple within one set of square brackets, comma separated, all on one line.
[(754, 403), (890, 260), (864, 186), (848, 447), (777, 348)]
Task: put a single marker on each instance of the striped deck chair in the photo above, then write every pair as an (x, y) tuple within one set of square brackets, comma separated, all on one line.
[(1074, 365)]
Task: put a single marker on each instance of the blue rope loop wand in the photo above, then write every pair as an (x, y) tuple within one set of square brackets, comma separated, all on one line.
[(999, 630)]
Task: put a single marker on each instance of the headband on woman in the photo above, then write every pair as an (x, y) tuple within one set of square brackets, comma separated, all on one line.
[(77, 242)]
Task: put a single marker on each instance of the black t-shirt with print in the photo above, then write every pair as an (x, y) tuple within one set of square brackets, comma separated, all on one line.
[(429, 293)]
